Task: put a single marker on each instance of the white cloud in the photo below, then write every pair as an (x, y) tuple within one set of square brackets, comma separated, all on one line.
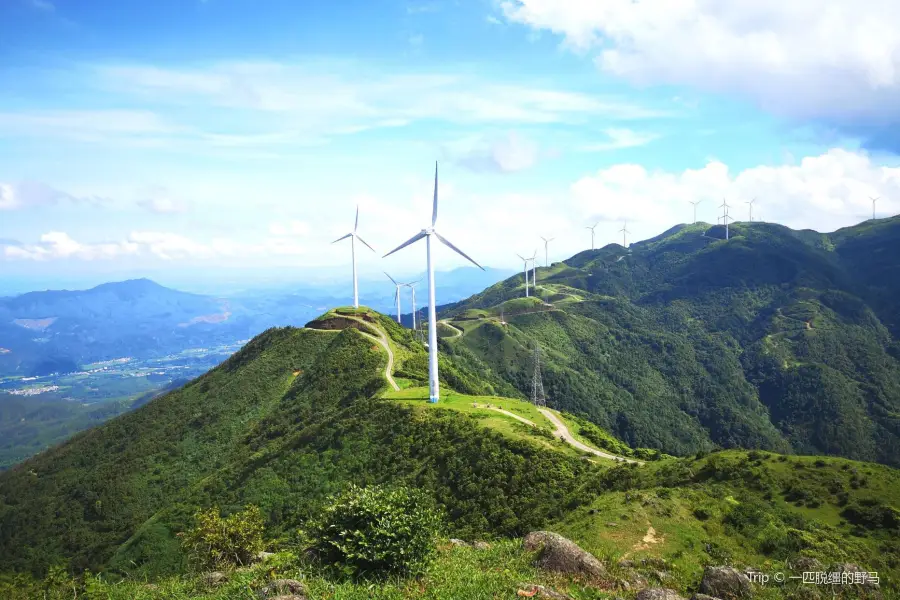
[(619, 138), (158, 199), (826, 59), (34, 193), (506, 154)]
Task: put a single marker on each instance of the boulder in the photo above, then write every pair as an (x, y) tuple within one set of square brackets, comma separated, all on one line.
[(561, 555), (626, 564), (481, 545), (281, 588), (214, 578), (725, 582), (658, 593), (264, 556), (807, 564), (458, 543), (703, 597)]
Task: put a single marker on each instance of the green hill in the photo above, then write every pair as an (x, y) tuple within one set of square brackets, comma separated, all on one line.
[(775, 339), (301, 413)]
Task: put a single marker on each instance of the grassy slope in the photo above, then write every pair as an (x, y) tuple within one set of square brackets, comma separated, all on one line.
[(762, 341)]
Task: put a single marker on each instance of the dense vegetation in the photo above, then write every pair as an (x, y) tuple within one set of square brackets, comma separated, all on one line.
[(774, 339)]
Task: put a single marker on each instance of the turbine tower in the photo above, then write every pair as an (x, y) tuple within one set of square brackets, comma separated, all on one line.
[(625, 233), (533, 260), (538, 398), (874, 200), (751, 207), (433, 383), (412, 289), (397, 287), (695, 208), (353, 237), (546, 242), (725, 216), (525, 269), (592, 233)]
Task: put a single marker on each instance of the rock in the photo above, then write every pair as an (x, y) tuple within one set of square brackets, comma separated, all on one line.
[(532, 590), (562, 555), (214, 578), (725, 582), (703, 597), (661, 575), (282, 588), (658, 594), (612, 524), (481, 545), (626, 564), (264, 556), (656, 563), (458, 543), (807, 564)]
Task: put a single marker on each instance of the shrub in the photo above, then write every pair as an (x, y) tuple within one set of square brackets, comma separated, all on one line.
[(377, 531), (217, 543)]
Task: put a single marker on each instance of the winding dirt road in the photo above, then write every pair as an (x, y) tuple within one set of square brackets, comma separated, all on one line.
[(507, 413), (453, 327), (563, 431)]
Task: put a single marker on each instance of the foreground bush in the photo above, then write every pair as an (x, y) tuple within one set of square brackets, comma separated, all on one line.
[(376, 531), (217, 543)]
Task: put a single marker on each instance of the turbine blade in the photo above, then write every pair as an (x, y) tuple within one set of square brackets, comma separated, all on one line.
[(434, 209), (389, 277), (411, 240), (522, 257), (364, 242), (342, 238), (457, 250), (356, 222)]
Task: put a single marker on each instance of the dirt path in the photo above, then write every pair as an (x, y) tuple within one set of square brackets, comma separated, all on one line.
[(563, 431), (453, 327), (507, 413), (646, 542)]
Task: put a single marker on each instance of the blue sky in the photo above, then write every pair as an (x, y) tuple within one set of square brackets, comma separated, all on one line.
[(234, 136)]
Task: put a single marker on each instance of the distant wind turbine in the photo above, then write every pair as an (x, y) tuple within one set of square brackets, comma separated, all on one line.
[(525, 270), (874, 200), (625, 233), (695, 208), (592, 233), (725, 216), (353, 237), (533, 260), (546, 242), (751, 207), (396, 294), (412, 288), (433, 382)]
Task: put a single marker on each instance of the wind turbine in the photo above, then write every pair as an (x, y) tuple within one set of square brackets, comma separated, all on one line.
[(412, 288), (396, 294), (525, 269), (695, 208), (625, 233), (751, 208), (533, 260), (874, 200), (592, 233), (353, 237), (546, 242), (433, 383), (725, 216)]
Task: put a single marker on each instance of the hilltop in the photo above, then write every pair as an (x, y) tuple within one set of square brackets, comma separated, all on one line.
[(300, 413), (775, 339)]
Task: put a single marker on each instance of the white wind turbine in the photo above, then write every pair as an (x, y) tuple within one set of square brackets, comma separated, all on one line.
[(546, 242), (592, 233), (725, 216), (625, 233), (533, 260), (751, 207), (433, 383), (397, 287), (525, 270), (874, 200), (695, 208), (412, 289), (353, 237)]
